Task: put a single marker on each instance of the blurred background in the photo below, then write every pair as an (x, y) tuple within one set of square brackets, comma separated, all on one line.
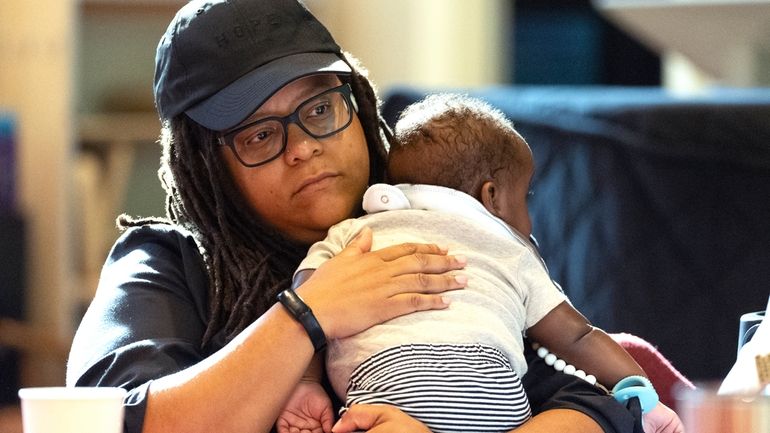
[(78, 128)]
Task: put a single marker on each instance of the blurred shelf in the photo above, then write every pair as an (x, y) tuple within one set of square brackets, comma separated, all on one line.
[(112, 128), (729, 39), (143, 6), (109, 143)]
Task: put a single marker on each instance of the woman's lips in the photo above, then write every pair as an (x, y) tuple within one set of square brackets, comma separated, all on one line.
[(315, 182)]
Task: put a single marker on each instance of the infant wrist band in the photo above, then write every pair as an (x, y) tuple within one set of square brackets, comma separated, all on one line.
[(304, 315), (636, 386)]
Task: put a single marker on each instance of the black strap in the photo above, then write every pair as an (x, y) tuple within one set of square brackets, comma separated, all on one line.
[(304, 315)]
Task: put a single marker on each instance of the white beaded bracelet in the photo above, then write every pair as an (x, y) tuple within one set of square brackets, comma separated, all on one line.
[(561, 365)]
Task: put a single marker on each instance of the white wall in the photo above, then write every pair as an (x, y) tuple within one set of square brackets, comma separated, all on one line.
[(423, 42), (36, 82), (419, 42), (701, 42)]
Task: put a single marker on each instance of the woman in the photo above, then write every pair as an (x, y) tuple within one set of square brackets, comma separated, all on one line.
[(270, 136)]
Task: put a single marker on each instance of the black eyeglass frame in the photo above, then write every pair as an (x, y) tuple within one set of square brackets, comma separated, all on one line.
[(226, 138)]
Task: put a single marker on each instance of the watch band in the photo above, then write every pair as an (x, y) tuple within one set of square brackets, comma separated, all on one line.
[(636, 386), (304, 315)]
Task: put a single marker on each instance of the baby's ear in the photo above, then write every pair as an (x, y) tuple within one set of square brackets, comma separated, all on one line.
[(489, 197)]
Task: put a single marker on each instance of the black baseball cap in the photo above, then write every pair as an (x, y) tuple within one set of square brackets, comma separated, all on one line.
[(220, 60)]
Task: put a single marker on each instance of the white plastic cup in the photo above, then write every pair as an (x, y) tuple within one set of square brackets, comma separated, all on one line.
[(72, 409)]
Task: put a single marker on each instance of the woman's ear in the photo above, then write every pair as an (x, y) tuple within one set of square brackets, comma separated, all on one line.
[(489, 197)]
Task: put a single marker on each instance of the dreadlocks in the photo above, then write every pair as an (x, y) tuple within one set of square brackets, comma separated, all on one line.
[(248, 263)]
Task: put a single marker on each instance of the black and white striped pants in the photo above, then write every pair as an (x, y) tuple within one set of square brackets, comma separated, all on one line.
[(450, 388)]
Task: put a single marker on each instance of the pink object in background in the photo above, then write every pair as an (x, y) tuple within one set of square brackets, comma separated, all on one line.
[(663, 375)]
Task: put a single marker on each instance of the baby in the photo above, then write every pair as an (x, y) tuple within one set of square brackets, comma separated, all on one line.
[(462, 175)]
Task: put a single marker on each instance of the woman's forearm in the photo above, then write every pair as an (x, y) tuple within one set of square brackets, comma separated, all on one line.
[(243, 386), (560, 420), (240, 388)]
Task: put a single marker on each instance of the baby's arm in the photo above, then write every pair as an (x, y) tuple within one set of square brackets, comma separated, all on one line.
[(569, 335), (309, 407)]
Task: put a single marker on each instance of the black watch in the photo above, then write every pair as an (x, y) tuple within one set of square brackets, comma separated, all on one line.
[(304, 315)]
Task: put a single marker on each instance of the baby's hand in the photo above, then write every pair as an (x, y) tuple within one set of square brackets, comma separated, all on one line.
[(309, 410), (661, 419), (380, 418)]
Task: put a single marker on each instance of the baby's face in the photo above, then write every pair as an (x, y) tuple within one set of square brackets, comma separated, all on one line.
[(513, 197)]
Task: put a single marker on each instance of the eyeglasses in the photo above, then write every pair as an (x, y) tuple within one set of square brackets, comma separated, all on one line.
[(264, 140)]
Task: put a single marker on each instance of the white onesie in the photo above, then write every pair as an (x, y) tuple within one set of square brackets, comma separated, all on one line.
[(456, 369)]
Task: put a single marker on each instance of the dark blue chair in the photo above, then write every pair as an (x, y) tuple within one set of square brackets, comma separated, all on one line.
[(652, 210)]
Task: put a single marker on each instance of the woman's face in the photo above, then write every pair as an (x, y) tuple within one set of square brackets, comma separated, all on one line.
[(315, 183)]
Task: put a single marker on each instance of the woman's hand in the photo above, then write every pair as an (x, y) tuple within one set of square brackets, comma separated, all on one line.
[(360, 288), (377, 418)]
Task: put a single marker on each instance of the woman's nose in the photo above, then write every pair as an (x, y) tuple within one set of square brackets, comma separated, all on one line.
[(300, 146)]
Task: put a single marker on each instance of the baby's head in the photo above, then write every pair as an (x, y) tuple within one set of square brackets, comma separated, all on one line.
[(464, 143)]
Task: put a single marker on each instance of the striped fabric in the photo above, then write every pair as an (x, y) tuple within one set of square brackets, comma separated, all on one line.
[(450, 388)]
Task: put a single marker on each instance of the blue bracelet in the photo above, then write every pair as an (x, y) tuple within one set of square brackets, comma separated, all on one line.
[(636, 386)]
